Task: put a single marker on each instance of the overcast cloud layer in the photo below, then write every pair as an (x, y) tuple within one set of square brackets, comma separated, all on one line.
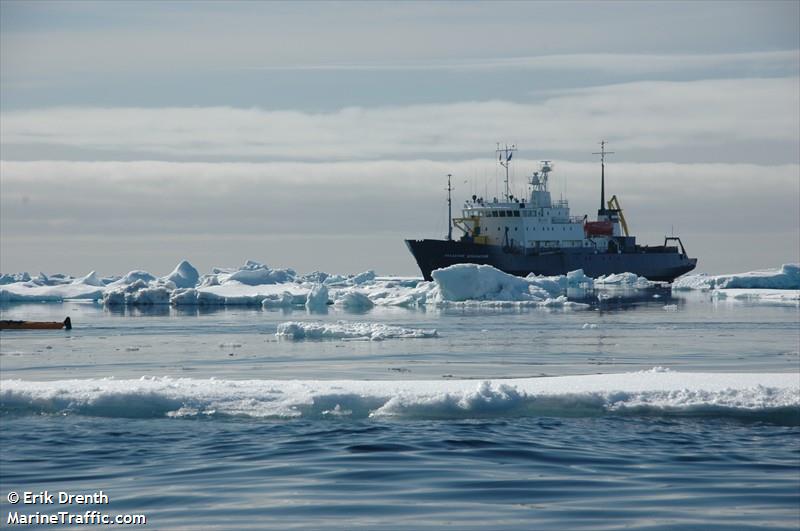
[(220, 132)]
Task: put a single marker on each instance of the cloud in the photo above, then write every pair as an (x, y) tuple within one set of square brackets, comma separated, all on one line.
[(142, 196), (79, 38), (634, 115), (778, 61), (108, 215)]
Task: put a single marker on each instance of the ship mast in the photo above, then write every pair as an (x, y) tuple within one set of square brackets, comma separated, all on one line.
[(508, 152), (602, 154), (449, 210)]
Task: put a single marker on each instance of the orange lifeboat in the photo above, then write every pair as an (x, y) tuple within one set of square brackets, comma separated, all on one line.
[(598, 228)]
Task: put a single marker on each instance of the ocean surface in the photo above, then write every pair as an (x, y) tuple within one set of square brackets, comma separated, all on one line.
[(203, 418)]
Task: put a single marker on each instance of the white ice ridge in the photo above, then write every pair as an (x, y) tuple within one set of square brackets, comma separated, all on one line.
[(768, 397), (299, 330)]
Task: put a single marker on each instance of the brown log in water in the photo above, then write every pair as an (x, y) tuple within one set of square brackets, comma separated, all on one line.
[(35, 325)]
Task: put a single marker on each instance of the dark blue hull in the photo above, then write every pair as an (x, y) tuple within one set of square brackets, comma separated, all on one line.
[(663, 263)]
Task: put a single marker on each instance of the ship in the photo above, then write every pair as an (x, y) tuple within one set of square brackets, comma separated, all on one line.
[(537, 234)]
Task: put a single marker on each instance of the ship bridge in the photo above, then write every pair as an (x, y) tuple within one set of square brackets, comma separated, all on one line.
[(529, 224)]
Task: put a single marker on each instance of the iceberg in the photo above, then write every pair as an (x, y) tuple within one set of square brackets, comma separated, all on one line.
[(465, 282), (317, 298), (484, 285), (353, 300), (184, 275)]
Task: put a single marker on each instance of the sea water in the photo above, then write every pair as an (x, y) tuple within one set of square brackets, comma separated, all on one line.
[(204, 418)]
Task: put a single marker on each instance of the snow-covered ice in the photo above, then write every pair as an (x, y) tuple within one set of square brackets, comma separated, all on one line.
[(654, 392)]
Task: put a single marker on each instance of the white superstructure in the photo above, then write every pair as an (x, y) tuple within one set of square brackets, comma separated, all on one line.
[(535, 223)]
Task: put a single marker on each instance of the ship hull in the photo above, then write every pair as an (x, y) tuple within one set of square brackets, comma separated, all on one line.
[(655, 263)]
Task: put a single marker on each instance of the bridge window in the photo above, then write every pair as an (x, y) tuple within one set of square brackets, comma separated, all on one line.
[(516, 213), (502, 213)]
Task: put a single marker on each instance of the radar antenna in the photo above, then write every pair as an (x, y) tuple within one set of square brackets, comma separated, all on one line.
[(504, 155), (539, 178), (603, 154)]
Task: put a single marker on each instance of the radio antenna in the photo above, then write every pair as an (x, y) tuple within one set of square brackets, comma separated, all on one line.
[(449, 209), (504, 155), (603, 154)]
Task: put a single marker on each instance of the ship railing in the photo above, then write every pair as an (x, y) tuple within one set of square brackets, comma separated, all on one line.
[(570, 219)]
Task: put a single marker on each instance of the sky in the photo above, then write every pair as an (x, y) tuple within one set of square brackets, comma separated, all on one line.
[(318, 136)]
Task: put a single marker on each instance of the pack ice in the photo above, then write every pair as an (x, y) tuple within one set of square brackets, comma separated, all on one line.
[(256, 284)]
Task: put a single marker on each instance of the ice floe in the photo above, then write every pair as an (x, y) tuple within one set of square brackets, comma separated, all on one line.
[(785, 277), (759, 396), (626, 280), (762, 296), (298, 330), (30, 291), (767, 286)]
